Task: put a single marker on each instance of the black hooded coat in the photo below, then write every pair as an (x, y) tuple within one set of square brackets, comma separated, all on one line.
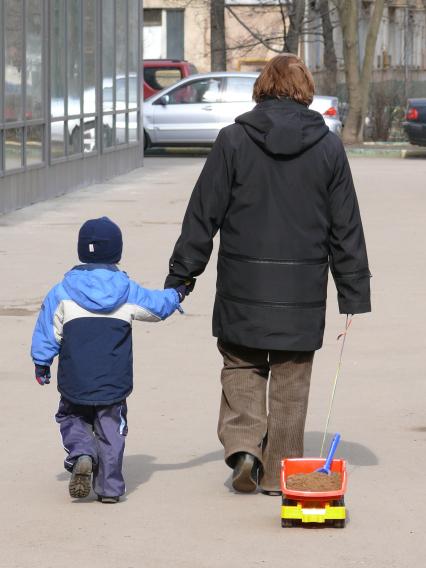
[(278, 186)]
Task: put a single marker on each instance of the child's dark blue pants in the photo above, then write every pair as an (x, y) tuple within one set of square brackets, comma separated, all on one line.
[(98, 432)]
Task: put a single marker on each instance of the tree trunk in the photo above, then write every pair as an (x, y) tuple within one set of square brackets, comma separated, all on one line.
[(348, 15), (296, 15), (367, 65), (330, 59), (357, 83), (217, 26)]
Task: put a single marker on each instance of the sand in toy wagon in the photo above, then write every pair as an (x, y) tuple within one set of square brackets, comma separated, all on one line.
[(320, 507)]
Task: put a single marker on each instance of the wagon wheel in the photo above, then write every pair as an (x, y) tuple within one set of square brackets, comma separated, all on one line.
[(339, 523), (289, 502), (339, 502)]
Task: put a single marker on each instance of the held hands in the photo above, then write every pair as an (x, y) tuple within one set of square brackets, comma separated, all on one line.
[(176, 282), (182, 292), (42, 374)]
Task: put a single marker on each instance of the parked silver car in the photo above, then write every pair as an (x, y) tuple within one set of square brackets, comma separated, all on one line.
[(192, 111)]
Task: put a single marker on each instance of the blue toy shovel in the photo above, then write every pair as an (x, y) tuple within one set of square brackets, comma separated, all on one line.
[(331, 452)]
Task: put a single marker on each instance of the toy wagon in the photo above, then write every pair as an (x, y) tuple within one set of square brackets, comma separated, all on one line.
[(300, 507)]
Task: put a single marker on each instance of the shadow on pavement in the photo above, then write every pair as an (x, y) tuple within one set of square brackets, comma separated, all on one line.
[(353, 452), (138, 469)]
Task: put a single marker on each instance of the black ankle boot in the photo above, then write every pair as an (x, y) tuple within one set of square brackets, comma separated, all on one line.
[(244, 478)]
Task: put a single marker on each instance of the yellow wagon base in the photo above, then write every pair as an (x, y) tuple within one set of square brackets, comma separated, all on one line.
[(298, 513)]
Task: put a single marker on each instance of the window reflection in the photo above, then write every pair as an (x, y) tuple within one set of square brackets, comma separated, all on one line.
[(133, 52), (74, 56), (34, 145), (89, 134), (57, 140), (108, 55), (108, 131), (121, 128), (13, 43), (57, 58), (121, 54), (89, 22), (133, 126), (74, 137), (133, 91), (13, 148), (120, 93), (34, 79), (74, 32)]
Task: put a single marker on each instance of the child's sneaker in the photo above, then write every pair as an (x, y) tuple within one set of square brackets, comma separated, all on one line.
[(81, 477), (105, 499)]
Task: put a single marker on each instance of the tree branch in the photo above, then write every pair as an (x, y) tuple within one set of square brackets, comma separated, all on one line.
[(250, 31)]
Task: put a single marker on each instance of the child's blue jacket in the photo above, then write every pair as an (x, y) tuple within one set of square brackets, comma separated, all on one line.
[(87, 320)]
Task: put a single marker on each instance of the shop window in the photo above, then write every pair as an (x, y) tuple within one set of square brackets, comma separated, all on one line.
[(14, 59), (13, 148), (57, 58), (34, 145)]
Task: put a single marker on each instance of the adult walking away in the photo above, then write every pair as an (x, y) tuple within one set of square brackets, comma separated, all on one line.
[(278, 186)]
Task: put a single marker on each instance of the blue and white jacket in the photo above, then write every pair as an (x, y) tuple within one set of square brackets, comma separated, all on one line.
[(87, 320)]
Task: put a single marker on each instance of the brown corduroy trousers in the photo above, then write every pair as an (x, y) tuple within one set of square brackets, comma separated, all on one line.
[(268, 423)]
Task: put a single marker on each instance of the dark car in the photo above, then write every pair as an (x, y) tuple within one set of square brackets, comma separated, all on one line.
[(161, 73), (415, 121)]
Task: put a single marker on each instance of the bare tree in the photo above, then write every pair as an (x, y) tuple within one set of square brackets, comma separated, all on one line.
[(218, 41), (358, 76), (330, 59), (296, 15), (286, 37)]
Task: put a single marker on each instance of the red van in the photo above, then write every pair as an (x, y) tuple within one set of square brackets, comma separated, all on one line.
[(161, 73)]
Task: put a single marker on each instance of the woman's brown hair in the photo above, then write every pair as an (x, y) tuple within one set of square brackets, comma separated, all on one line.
[(285, 75)]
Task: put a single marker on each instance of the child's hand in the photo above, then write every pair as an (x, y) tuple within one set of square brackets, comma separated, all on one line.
[(42, 374), (182, 292)]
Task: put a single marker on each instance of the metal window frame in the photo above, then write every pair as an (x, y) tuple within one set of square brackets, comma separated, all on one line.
[(127, 110), (47, 120), (22, 123), (66, 117), (2, 51)]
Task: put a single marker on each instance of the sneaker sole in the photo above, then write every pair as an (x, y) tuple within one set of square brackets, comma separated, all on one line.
[(80, 482), (108, 500), (243, 480)]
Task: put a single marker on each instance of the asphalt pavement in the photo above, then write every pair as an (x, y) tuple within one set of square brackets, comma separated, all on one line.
[(180, 510)]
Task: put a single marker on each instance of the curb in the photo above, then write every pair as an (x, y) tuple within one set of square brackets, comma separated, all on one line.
[(401, 152), (352, 152)]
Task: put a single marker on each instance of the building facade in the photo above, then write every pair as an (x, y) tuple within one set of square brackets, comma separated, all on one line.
[(400, 55), (179, 29), (70, 75)]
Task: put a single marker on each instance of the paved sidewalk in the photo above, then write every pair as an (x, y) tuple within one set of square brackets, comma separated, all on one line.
[(179, 509)]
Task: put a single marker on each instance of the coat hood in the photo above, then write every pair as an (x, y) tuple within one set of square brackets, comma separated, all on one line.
[(98, 288), (283, 126)]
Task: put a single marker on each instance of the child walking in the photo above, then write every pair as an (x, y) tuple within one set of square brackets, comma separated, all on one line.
[(87, 320)]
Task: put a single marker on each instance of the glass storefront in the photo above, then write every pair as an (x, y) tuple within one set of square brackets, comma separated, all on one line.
[(21, 81), (87, 101)]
